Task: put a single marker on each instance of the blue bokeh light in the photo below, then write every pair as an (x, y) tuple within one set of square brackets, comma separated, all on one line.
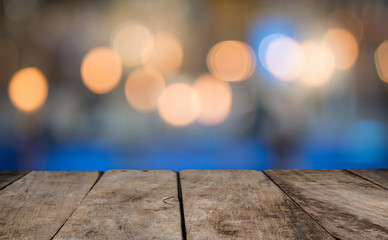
[(263, 31)]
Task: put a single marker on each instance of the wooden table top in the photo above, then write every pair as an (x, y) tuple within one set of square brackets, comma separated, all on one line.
[(195, 204)]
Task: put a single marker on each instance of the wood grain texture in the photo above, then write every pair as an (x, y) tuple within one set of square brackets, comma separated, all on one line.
[(36, 206), (346, 205), (378, 176), (242, 205), (7, 177), (128, 205)]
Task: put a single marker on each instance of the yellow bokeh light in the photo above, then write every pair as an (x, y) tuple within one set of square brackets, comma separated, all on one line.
[(381, 60), (344, 46), (179, 105), (231, 61), (28, 89), (215, 97), (101, 70), (284, 58), (133, 42), (143, 88), (319, 63), (167, 54)]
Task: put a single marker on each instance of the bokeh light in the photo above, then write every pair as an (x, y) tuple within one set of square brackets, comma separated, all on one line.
[(231, 61), (8, 59), (344, 46), (179, 105), (133, 42), (215, 97), (263, 46), (101, 70), (347, 19), (319, 63), (143, 88), (28, 89), (284, 58), (167, 54), (381, 60)]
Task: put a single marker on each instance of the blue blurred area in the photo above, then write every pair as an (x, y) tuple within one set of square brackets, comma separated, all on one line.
[(363, 144), (167, 153)]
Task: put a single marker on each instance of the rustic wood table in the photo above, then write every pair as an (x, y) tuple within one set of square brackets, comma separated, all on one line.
[(195, 204)]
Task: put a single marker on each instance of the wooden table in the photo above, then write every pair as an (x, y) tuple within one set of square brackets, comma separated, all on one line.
[(195, 204)]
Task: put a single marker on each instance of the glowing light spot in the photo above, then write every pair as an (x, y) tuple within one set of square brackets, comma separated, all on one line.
[(349, 20), (264, 46), (133, 42), (284, 58), (381, 60), (8, 59), (143, 88), (215, 97), (319, 63), (179, 105), (344, 46), (28, 89), (167, 53), (231, 61), (101, 70)]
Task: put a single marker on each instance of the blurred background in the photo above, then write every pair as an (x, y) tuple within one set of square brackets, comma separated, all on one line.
[(184, 84)]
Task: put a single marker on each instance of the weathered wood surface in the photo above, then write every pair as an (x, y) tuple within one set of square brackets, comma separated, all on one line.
[(242, 205), (347, 206), (128, 205), (7, 177), (378, 176), (36, 206)]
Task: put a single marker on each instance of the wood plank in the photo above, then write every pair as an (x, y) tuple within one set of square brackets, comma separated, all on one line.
[(128, 205), (242, 205), (346, 205), (378, 176), (7, 177), (36, 206)]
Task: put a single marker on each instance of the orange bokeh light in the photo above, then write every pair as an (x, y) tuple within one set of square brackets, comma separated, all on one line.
[(344, 46), (143, 88), (381, 60), (215, 97), (319, 64), (231, 61), (101, 70), (28, 89), (167, 54), (179, 105), (133, 42)]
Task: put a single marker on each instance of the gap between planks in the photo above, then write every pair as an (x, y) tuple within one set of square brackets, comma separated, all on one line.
[(356, 173), (348, 206), (181, 208), (98, 178), (297, 203), (9, 182)]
